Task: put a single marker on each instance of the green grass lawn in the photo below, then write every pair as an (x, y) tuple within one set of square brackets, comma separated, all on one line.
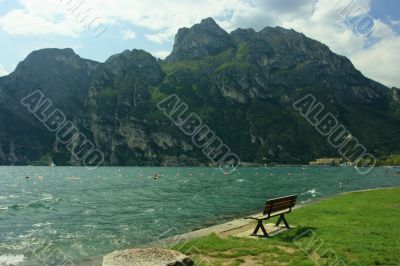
[(360, 228)]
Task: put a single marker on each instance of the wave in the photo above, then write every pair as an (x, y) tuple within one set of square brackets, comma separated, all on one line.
[(149, 210), (41, 224), (8, 196), (9, 259), (313, 192), (46, 203), (72, 178)]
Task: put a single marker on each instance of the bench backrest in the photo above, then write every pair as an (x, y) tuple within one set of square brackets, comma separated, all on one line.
[(280, 204)]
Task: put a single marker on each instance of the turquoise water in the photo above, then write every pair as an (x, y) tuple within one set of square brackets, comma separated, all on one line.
[(70, 213)]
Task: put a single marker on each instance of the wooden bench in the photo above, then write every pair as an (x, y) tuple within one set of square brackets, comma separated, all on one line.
[(274, 207)]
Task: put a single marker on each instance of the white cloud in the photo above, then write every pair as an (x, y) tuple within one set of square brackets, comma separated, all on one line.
[(318, 19), (157, 38), (381, 61), (21, 22), (3, 71), (161, 54), (162, 17), (160, 38), (128, 35), (49, 17)]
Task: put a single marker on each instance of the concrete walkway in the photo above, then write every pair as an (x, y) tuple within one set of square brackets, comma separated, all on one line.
[(240, 228)]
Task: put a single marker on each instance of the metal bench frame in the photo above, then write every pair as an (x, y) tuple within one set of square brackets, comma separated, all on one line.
[(274, 207)]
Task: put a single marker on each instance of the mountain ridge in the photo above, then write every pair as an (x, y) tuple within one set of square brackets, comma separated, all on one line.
[(242, 83)]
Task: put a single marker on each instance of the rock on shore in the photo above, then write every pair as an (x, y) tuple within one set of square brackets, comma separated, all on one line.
[(147, 257)]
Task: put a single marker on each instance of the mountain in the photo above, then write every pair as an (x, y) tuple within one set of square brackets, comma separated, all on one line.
[(203, 39), (241, 84), (63, 77)]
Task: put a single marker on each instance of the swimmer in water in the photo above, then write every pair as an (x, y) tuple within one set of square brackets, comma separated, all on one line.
[(340, 185)]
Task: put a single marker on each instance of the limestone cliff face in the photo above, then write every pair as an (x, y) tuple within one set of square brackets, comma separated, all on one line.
[(242, 84), (203, 39), (395, 95), (118, 104)]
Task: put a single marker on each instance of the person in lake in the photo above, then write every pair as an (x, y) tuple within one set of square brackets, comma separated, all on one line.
[(340, 185), (156, 176)]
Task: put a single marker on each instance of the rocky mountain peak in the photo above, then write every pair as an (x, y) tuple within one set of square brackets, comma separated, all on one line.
[(134, 57), (62, 75), (205, 38), (51, 59), (136, 63), (210, 22), (50, 53), (67, 52)]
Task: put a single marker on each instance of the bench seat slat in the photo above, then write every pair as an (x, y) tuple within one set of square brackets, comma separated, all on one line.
[(279, 204), (280, 207), (265, 216), (283, 203)]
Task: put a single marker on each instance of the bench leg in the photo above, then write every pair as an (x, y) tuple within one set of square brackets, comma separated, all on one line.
[(260, 226), (282, 219)]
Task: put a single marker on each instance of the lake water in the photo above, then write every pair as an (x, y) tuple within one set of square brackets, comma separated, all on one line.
[(63, 214)]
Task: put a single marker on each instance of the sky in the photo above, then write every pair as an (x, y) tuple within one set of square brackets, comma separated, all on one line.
[(366, 31)]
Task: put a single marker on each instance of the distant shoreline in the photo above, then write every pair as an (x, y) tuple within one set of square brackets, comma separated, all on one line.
[(250, 165)]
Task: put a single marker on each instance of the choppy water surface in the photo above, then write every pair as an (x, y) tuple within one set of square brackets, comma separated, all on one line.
[(70, 213)]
